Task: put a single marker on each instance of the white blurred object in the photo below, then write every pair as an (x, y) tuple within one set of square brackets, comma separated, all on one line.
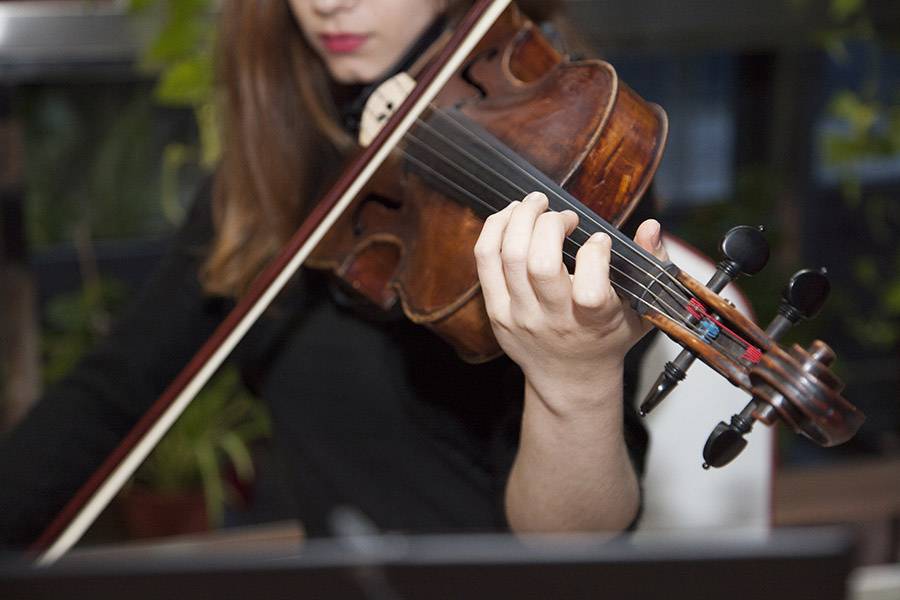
[(879, 582), (679, 496)]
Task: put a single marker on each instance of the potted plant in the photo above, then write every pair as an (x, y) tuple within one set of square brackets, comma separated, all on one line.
[(197, 468)]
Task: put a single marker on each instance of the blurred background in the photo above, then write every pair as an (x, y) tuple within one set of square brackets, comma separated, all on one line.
[(784, 113)]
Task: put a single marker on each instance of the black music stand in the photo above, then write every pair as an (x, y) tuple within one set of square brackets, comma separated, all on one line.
[(792, 565)]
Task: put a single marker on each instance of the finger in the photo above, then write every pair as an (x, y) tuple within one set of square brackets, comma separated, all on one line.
[(649, 237), (488, 262), (591, 289), (548, 275), (514, 248)]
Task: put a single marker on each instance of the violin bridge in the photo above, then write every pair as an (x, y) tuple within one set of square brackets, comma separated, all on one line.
[(382, 104)]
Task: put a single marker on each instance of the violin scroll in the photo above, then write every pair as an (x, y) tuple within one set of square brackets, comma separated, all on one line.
[(794, 386), (798, 387)]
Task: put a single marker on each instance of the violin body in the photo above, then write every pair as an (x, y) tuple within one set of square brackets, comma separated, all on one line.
[(404, 241)]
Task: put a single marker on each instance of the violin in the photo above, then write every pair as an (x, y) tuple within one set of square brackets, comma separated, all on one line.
[(495, 114)]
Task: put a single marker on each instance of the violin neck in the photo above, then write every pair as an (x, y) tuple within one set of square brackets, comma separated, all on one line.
[(467, 163)]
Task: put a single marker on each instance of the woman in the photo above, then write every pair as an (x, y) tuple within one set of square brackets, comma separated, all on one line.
[(370, 412)]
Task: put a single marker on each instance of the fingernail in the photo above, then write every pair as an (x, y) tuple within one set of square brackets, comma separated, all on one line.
[(536, 197), (657, 237), (601, 237)]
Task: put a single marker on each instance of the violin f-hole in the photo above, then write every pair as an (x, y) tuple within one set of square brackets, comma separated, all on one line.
[(468, 76), (358, 219)]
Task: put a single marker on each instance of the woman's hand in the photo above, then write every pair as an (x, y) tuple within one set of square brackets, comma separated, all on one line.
[(569, 333)]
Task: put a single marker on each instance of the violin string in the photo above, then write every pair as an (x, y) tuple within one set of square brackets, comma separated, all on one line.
[(468, 155), (602, 225), (674, 294), (692, 328), (512, 184), (476, 198), (587, 215), (679, 318), (482, 202)]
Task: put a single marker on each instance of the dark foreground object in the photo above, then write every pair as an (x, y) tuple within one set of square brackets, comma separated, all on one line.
[(791, 564)]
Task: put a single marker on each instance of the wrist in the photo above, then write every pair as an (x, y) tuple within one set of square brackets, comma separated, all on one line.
[(572, 393)]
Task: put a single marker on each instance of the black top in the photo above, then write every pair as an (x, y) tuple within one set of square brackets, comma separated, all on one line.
[(368, 411), (376, 414)]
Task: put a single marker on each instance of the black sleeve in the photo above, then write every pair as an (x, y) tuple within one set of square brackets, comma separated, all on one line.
[(636, 437), (79, 422)]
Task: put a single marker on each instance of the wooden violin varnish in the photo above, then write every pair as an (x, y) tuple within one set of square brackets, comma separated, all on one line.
[(408, 236)]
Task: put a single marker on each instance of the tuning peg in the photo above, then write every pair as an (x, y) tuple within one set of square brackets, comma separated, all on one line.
[(802, 299), (744, 251), (727, 439), (673, 373)]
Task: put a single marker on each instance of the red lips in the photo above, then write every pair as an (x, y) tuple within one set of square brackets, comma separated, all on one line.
[(342, 43)]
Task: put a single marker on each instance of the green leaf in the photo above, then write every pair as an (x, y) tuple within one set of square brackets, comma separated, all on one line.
[(891, 298), (216, 429), (210, 140), (213, 488), (859, 114), (175, 157), (834, 43), (239, 455), (844, 9), (140, 5), (877, 332), (187, 82)]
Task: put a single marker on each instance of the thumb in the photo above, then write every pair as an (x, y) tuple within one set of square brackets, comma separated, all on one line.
[(649, 237)]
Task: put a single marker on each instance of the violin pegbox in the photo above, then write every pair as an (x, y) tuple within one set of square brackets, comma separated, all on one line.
[(382, 104), (745, 251), (793, 386)]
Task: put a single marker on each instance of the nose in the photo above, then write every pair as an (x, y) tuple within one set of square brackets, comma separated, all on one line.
[(327, 7)]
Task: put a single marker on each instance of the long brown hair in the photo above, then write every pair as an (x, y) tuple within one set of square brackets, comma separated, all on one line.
[(277, 113)]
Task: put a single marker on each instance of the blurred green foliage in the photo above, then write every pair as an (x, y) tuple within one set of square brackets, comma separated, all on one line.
[(753, 202), (92, 162), (869, 116), (111, 160), (214, 435), (209, 446), (180, 56), (872, 128), (74, 322)]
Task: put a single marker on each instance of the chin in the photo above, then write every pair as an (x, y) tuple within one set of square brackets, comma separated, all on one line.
[(355, 73)]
